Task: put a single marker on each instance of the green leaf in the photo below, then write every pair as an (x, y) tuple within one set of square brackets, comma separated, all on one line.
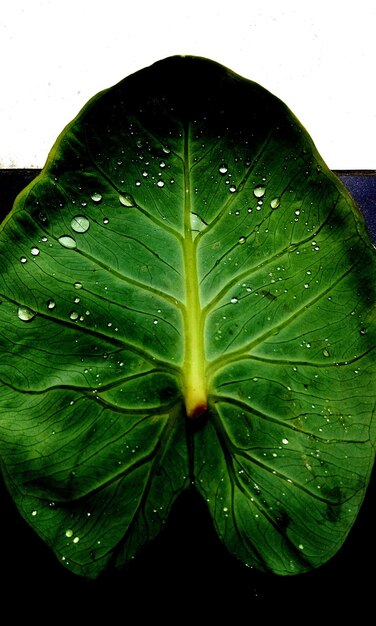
[(187, 296)]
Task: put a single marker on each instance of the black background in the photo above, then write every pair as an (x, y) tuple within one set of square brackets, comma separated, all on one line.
[(186, 574)]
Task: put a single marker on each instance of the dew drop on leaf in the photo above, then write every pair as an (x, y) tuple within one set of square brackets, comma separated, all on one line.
[(25, 314), (223, 169), (69, 533), (275, 203), (160, 183), (197, 223), (96, 197), (73, 315), (80, 224), (127, 200), (259, 191), (242, 240), (51, 304), (23, 259), (78, 285), (67, 242), (35, 251), (234, 300)]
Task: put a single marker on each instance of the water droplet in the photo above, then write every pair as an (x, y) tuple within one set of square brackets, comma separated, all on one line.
[(105, 220), (297, 212), (78, 285), (76, 540), (223, 169), (285, 441), (25, 314), (69, 533), (51, 304), (242, 240), (166, 150), (96, 197), (300, 546), (160, 183), (259, 191), (234, 300), (306, 285), (232, 188), (127, 200), (326, 352), (34, 513), (275, 203), (197, 223), (155, 321), (363, 331), (80, 224), (35, 251), (23, 259), (67, 242), (73, 315)]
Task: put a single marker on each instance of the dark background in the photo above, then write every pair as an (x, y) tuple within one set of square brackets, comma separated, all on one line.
[(186, 574)]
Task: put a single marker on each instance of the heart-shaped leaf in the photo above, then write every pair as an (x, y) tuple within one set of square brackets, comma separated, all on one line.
[(187, 296)]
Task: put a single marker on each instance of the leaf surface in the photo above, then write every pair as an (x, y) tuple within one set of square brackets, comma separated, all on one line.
[(187, 296)]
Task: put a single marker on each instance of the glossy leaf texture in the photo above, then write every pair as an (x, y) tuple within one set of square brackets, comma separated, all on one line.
[(187, 297)]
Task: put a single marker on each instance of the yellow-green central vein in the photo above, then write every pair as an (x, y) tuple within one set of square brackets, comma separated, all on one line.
[(194, 362)]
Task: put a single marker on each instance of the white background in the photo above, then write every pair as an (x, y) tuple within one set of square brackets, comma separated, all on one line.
[(319, 57)]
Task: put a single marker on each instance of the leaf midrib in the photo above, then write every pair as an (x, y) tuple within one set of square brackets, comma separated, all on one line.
[(195, 393)]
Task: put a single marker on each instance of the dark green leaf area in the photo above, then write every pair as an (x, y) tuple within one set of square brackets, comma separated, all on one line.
[(259, 486), (325, 403), (76, 293), (111, 234), (64, 357), (293, 286), (95, 482)]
